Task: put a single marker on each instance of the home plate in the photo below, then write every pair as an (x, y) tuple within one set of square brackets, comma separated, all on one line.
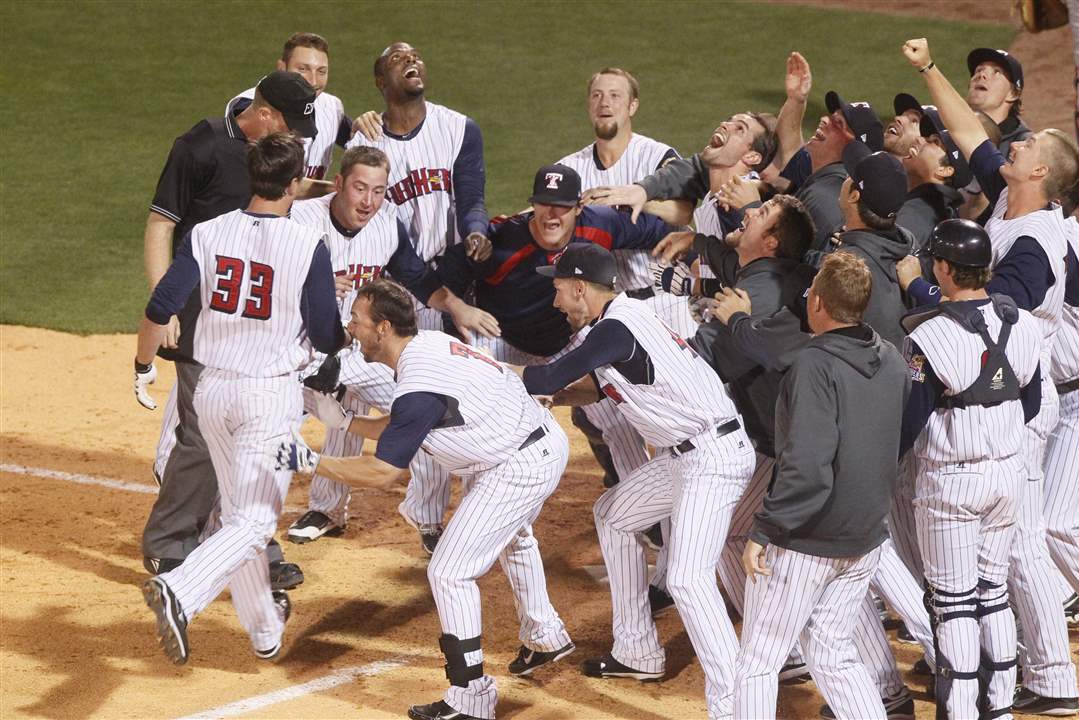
[(599, 572)]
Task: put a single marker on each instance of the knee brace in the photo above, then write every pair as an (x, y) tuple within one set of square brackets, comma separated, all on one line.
[(458, 671), (943, 607)]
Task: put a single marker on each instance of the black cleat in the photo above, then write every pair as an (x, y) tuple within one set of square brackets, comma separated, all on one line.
[(660, 601), (921, 668), (1031, 703), (653, 537), (160, 566), (171, 625), (1071, 611), (311, 526), (608, 667), (437, 711), (430, 533), (285, 575), (794, 674), (284, 608), (899, 707), (528, 660), (903, 635)]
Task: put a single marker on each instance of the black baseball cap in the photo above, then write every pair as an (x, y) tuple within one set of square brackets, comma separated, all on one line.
[(1011, 65), (879, 177), (905, 101), (860, 117), (932, 125), (556, 185), (583, 261), (293, 97)]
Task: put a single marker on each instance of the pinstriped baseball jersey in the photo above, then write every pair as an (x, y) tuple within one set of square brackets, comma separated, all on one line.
[(317, 151), (491, 414), (365, 254), (685, 397), (642, 157), (252, 269), (706, 222), (421, 181), (1065, 365), (976, 432)]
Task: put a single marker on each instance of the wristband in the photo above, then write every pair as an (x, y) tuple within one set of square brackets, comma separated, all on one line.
[(928, 67), (142, 369)]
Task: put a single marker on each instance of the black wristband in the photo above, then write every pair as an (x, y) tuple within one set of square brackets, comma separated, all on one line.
[(142, 369), (928, 67)]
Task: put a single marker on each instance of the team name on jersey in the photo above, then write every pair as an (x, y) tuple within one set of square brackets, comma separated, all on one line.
[(419, 182), (363, 273)]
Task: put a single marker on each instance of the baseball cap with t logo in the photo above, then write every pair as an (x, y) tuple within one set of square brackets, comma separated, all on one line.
[(293, 97), (556, 185), (861, 119), (583, 261)]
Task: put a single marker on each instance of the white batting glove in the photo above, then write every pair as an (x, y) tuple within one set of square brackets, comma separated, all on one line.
[(297, 457), (145, 375), (330, 412), (676, 279)]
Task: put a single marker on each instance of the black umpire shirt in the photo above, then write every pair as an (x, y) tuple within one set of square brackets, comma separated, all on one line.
[(204, 176)]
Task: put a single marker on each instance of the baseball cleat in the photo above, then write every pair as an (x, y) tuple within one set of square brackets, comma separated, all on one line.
[(284, 609), (1071, 611), (653, 537), (898, 707), (660, 601), (794, 674), (921, 668), (1031, 703), (437, 711), (285, 575), (608, 667), (528, 660), (311, 526), (429, 536), (171, 625), (160, 566), (904, 636)]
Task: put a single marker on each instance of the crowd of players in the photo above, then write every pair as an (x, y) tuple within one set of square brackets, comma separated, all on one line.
[(855, 381)]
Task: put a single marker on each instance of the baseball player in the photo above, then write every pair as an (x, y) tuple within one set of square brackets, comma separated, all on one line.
[(308, 55), (476, 419), (437, 179), (205, 175), (703, 461), (265, 279), (974, 376), (1029, 241), (366, 239), (816, 542), (996, 89)]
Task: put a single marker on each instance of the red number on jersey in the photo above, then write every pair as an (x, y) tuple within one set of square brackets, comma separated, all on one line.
[(230, 274), (461, 350), (612, 392), (680, 342), (258, 306)]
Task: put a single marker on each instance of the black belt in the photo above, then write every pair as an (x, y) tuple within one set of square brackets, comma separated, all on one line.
[(725, 429), (536, 435), (1070, 386)]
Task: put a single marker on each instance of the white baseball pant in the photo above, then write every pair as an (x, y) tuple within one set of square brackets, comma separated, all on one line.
[(1062, 490)]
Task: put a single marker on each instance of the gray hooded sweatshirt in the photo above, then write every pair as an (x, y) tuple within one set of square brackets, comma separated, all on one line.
[(838, 419), (881, 250)]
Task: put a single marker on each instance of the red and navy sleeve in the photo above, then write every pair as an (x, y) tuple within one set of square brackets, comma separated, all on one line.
[(624, 234), (609, 342), (469, 179), (412, 416)]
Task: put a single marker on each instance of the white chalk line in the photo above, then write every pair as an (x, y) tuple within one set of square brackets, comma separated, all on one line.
[(334, 679)]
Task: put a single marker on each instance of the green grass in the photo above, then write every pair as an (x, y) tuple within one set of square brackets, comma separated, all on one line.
[(95, 92)]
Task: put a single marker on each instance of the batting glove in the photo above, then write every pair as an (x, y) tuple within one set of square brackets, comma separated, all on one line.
[(145, 375), (675, 279), (329, 411), (297, 457)]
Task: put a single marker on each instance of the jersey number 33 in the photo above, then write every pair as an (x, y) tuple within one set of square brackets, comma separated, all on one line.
[(230, 275)]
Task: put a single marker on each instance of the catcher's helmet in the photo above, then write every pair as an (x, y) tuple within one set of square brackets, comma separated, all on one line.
[(962, 242)]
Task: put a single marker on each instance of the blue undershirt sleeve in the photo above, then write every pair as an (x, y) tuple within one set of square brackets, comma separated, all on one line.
[(985, 163), (412, 416), (318, 304), (344, 131), (923, 292), (407, 268), (1031, 396), (1023, 274), (608, 342), (469, 178), (798, 169), (176, 286), (926, 390)]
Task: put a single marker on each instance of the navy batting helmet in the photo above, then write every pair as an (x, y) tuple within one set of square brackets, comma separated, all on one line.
[(961, 242)]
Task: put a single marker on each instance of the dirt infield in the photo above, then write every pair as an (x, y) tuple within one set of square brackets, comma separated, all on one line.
[(78, 642)]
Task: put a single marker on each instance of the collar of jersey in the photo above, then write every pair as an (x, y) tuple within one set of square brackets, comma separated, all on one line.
[(411, 134), (233, 127), (260, 215), (341, 228)]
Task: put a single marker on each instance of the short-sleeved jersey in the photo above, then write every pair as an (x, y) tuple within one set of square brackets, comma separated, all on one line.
[(1047, 228), (490, 412), (421, 182), (252, 270), (1065, 365), (955, 355), (642, 157), (317, 151), (684, 398)]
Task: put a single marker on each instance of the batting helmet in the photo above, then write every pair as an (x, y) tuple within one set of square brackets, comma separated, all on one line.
[(961, 242)]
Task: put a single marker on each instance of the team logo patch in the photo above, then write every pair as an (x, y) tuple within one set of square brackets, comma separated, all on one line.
[(916, 364), (309, 108), (553, 179)]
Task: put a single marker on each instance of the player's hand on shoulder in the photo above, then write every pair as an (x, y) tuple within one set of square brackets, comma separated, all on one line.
[(673, 246), (370, 124), (470, 319), (737, 192), (908, 270), (478, 246), (799, 79), (676, 279), (729, 302), (916, 51), (631, 196), (297, 457), (172, 334), (145, 375)]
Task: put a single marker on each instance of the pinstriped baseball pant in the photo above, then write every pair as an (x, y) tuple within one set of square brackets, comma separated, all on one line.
[(494, 522), (243, 421), (1062, 490), (813, 598), (698, 491)]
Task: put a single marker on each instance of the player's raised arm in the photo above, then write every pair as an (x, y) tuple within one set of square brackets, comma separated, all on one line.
[(798, 82), (965, 128)]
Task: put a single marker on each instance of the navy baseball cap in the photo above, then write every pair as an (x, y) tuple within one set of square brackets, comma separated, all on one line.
[(556, 185), (583, 261), (905, 101), (932, 125), (860, 117), (878, 176), (293, 97), (1008, 62)]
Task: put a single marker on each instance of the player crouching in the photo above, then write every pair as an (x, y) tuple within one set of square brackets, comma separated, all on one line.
[(474, 417)]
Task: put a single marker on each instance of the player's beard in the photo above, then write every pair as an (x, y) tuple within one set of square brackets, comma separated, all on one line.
[(607, 131)]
